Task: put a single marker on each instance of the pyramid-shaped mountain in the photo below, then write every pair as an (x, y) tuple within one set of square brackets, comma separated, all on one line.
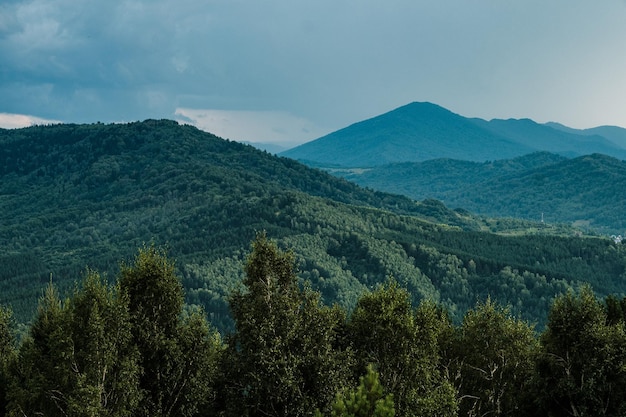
[(415, 132), (423, 131)]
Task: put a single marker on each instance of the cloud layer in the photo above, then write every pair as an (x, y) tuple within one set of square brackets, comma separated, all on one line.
[(328, 62)]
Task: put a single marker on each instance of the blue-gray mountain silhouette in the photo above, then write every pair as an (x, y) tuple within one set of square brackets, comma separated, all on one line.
[(422, 131)]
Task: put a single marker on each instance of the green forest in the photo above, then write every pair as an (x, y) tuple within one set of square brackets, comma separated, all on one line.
[(133, 348), (78, 196), (349, 301), (583, 191)]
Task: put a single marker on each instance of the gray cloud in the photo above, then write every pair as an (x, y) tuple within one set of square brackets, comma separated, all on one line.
[(330, 62)]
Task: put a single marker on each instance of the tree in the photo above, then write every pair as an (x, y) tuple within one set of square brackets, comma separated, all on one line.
[(494, 362), (177, 354), (367, 401), (283, 358), (78, 359), (615, 309), (42, 380), (7, 354), (104, 359), (403, 345), (582, 367)]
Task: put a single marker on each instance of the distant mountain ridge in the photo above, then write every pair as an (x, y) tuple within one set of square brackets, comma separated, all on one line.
[(419, 132), (615, 134)]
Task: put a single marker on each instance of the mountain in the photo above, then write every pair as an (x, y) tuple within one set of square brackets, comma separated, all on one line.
[(544, 138), (421, 131), (615, 134), (415, 132), (79, 196), (584, 191), (268, 147)]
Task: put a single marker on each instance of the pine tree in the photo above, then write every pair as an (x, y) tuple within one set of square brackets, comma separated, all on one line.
[(367, 401), (42, 380)]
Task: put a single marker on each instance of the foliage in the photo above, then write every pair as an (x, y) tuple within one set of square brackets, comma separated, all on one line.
[(43, 371), (7, 353), (133, 348), (77, 195), (494, 354), (283, 358), (177, 354), (583, 191), (103, 349), (582, 368), (78, 358), (116, 350), (367, 401), (403, 345)]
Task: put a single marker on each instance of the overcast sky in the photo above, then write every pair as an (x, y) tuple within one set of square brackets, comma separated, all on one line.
[(292, 70)]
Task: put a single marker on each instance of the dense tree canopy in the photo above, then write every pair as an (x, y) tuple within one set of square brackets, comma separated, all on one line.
[(403, 345), (284, 358), (89, 195), (582, 367), (132, 348), (124, 350)]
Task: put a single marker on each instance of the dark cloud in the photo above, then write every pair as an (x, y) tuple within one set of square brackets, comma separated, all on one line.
[(332, 62)]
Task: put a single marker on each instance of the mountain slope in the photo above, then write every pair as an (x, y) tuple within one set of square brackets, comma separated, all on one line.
[(415, 132), (421, 131), (617, 135), (586, 191), (545, 138), (73, 196)]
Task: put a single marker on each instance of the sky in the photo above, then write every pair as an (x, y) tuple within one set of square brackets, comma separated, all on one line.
[(289, 71)]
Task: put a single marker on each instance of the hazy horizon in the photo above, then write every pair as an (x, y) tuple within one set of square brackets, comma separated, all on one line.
[(289, 72)]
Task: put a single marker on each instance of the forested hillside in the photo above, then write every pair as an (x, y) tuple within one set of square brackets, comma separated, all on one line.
[(131, 348), (78, 196), (584, 191)]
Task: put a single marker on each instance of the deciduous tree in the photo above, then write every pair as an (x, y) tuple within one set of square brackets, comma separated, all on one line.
[(403, 346), (494, 362), (582, 367), (178, 354), (283, 358)]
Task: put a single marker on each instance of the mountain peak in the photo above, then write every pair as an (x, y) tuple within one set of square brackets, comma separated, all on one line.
[(420, 131), (422, 108)]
